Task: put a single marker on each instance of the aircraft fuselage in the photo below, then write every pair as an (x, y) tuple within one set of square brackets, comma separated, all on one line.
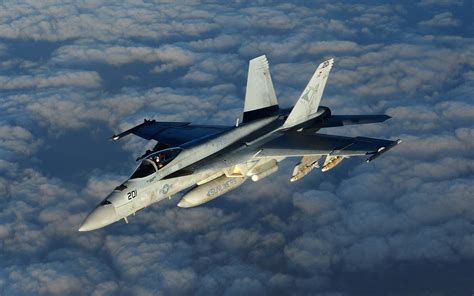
[(202, 158)]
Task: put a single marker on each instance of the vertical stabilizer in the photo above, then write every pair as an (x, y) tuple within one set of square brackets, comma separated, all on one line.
[(260, 98), (308, 103)]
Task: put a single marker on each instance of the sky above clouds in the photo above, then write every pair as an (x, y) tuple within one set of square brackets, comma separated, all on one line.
[(74, 72)]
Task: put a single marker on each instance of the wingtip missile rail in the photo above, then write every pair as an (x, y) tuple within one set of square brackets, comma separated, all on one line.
[(116, 137), (382, 150)]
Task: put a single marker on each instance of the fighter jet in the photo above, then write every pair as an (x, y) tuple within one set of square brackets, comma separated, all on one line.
[(212, 160)]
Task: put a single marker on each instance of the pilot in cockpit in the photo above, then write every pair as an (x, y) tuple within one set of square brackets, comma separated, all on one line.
[(158, 161)]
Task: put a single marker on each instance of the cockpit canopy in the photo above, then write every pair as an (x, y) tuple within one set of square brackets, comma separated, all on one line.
[(155, 161)]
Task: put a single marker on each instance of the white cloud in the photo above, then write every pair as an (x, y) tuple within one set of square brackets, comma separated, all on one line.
[(3, 49), (221, 42), (102, 21), (87, 79), (440, 2), (171, 57), (444, 19), (411, 206), (17, 139)]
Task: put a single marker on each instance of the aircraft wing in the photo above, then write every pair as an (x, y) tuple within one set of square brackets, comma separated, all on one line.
[(171, 133), (306, 144)]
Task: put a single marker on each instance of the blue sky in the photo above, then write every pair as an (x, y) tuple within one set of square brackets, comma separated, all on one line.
[(73, 73)]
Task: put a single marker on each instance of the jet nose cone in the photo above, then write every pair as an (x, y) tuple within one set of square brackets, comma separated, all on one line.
[(102, 216)]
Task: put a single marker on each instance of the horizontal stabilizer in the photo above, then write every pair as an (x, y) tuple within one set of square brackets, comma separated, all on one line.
[(341, 120)]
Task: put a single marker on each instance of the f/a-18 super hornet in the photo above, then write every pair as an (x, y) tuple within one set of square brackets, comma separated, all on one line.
[(216, 159)]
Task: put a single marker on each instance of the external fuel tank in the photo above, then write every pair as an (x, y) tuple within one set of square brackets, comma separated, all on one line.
[(209, 191)]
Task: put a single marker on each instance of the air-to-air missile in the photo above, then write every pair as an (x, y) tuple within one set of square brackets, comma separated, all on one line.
[(304, 167), (210, 190), (331, 162)]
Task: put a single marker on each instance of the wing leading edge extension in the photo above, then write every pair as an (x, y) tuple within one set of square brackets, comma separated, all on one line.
[(302, 144)]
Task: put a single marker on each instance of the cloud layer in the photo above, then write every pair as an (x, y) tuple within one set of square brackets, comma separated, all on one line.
[(401, 225)]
